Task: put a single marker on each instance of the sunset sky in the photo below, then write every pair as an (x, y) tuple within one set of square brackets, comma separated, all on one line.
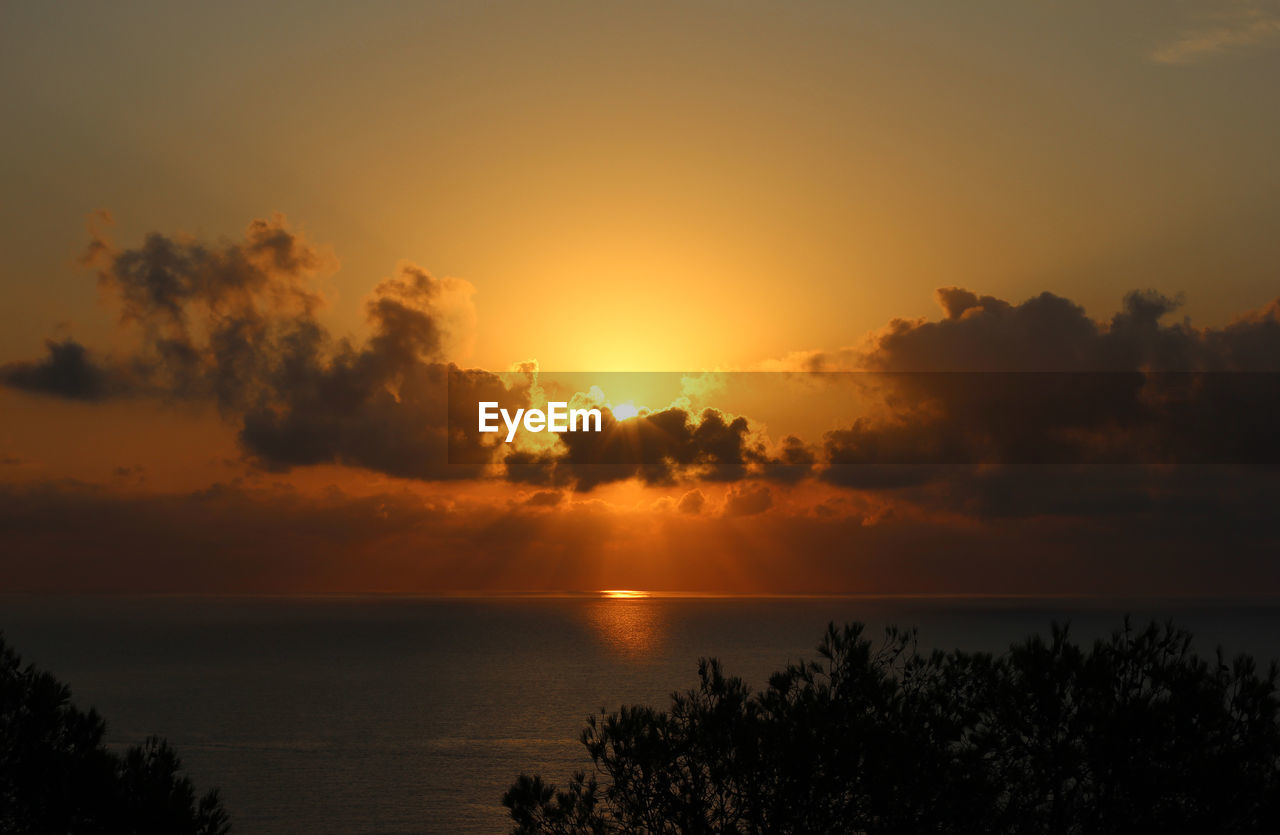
[(242, 244)]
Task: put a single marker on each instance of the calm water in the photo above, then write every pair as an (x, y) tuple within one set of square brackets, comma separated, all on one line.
[(414, 714)]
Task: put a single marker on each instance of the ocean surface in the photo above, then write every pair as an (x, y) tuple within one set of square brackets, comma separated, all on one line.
[(398, 715)]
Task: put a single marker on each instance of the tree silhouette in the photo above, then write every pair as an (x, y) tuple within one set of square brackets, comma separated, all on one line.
[(57, 776), (1135, 734)]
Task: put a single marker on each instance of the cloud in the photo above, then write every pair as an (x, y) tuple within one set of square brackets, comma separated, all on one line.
[(1046, 333), (1002, 408), (1227, 27), (747, 500), (692, 502), (660, 448), (1049, 333), (234, 324), (653, 447), (794, 462), (1218, 539), (72, 536), (1006, 446), (67, 371), (958, 406), (544, 498)]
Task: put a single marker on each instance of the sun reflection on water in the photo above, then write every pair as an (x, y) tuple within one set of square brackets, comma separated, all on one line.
[(629, 623)]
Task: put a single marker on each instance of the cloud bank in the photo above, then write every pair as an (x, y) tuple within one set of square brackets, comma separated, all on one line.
[(1006, 446), (235, 324)]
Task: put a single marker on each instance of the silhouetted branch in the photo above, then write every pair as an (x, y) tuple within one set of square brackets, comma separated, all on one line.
[(1136, 733)]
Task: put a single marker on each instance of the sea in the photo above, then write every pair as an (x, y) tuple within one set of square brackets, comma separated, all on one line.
[(389, 714)]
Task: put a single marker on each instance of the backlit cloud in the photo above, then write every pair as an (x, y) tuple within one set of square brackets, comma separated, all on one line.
[(993, 428), (234, 324)]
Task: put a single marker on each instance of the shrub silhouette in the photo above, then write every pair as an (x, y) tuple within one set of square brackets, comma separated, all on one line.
[(1136, 734), (57, 776)]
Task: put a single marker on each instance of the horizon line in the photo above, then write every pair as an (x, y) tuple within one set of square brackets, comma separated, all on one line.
[(641, 594)]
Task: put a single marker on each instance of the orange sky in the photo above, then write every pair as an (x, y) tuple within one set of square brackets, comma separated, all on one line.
[(629, 188)]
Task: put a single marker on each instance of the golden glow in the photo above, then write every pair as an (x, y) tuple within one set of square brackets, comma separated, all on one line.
[(623, 594), (624, 411), (628, 623)]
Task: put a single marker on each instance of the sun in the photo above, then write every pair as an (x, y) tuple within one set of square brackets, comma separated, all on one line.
[(626, 410)]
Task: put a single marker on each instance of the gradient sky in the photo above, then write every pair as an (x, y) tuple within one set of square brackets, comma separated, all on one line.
[(626, 186), (609, 166)]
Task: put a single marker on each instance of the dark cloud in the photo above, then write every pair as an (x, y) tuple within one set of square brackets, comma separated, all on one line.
[(66, 371), (544, 498), (166, 282), (747, 500), (660, 448), (1218, 537), (530, 467), (75, 537), (793, 462), (379, 406), (1048, 333), (991, 388), (234, 324), (1035, 408)]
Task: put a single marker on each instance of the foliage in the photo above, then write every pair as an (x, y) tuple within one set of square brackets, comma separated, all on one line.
[(1134, 734), (56, 775)]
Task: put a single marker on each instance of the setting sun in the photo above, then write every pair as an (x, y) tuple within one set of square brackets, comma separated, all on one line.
[(362, 364), (624, 411)]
